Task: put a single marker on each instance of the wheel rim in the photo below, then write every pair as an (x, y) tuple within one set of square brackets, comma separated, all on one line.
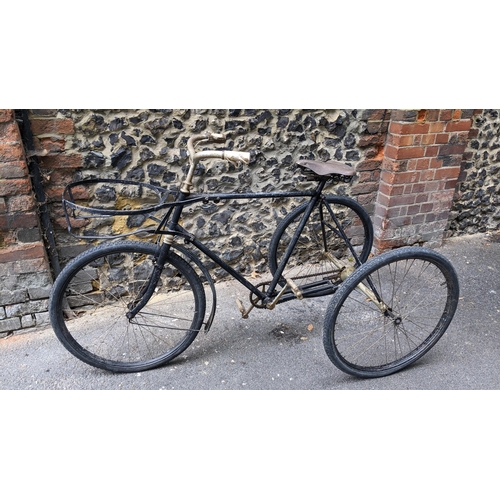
[(419, 295)]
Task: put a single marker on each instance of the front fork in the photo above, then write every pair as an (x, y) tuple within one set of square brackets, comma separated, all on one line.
[(146, 293), (370, 292)]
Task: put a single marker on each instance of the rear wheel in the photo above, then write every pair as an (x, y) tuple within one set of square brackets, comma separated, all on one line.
[(92, 298), (418, 293), (310, 266)]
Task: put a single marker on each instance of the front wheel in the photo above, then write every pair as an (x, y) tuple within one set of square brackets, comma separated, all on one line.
[(92, 298), (411, 299)]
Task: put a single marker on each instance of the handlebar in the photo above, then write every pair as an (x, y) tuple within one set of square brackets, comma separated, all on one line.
[(222, 155)]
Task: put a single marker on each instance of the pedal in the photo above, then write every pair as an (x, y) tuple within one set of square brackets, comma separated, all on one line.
[(243, 311), (295, 289)]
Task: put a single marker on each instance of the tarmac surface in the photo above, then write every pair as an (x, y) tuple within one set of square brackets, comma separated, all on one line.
[(283, 350)]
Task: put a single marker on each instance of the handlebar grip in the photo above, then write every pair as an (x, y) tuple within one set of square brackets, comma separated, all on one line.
[(217, 137), (237, 156)]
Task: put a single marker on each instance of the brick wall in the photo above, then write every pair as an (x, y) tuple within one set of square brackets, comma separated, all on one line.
[(420, 170), (24, 269)]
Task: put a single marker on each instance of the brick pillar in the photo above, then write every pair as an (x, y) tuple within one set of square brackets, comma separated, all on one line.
[(24, 268), (51, 131), (420, 169)]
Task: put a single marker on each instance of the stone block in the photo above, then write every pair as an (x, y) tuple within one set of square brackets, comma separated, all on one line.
[(8, 297), (42, 318), (10, 324), (41, 292), (27, 321), (26, 308)]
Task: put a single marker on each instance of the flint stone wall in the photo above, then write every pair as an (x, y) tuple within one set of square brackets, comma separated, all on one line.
[(476, 206), (150, 146)]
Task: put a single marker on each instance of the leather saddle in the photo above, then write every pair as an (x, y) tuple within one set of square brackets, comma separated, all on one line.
[(327, 168)]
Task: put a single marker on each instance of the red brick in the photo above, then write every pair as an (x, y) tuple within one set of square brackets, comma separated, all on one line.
[(415, 128), (391, 152), (13, 170), (12, 187), (400, 140), (53, 126), (431, 151), (21, 203), (403, 200), (365, 187), (61, 161), (388, 177), (418, 188), (413, 210), (451, 149), (451, 184), (373, 114), (427, 175), (432, 115), (421, 115), (9, 132), (422, 163), (62, 223), (382, 199), (390, 190), (6, 115), (421, 198), (368, 165), (447, 173), (411, 164), (445, 115), (370, 140), (462, 125), (22, 253), (21, 220), (407, 177), (44, 112), (393, 165), (429, 139), (435, 163), (48, 145), (412, 152), (395, 128), (436, 127), (12, 151), (442, 138)]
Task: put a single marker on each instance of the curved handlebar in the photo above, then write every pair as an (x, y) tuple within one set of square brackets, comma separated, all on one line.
[(195, 157), (236, 156), (223, 155)]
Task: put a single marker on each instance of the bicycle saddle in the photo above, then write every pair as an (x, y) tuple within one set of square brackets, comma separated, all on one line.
[(325, 168)]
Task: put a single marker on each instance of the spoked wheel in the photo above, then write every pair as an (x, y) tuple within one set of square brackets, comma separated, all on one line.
[(93, 296), (412, 297), (310, 265)]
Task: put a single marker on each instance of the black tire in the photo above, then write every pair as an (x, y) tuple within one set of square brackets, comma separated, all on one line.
[(90, 298), (308, 266), (421, 289)]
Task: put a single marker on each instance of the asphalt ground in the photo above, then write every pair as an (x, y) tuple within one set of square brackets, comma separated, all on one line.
[(283, 350), (205, 425)]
